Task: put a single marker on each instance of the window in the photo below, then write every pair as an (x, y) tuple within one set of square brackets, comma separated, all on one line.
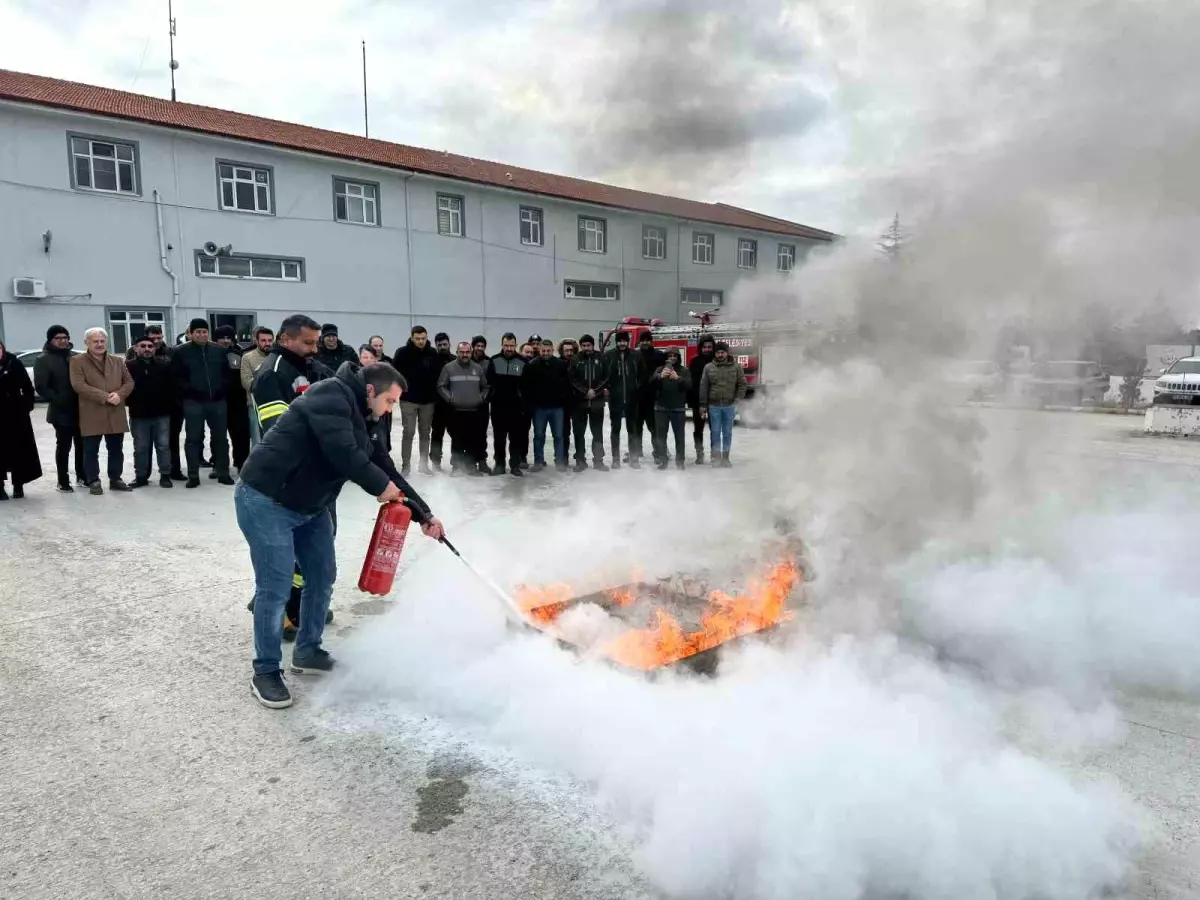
[(747, 253), (103, 165), (450, 215), (241, 323), (787, 257), (356, 202), (699, 297), (592, 233), (125, 326), (246, 188), (244, 265), (531, 226), (702, 248), (654, 242), (590, 290)]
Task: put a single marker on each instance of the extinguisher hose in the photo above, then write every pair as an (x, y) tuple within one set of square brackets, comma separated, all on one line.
[(512, 611)]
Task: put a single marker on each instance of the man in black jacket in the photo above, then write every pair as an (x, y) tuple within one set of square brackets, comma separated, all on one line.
[(652, 359), (509, 425), (589, 376), (155, 394), (707, 353), (625, 379), (441, 411), (333, 352), (291, 479), (52, 380), (204, 375), (235, 398), (547, 388), (163, 351), (420, 365)]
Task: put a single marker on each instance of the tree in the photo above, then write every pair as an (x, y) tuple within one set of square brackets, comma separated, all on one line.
[(890, 241)]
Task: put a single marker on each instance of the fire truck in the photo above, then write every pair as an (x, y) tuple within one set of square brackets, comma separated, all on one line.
[(762, 348)]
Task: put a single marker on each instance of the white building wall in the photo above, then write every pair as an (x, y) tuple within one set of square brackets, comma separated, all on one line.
[(104, 253)]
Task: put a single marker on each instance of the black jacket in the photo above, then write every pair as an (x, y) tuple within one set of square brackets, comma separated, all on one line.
[(203, 371), (321, 442), (332, 359), (652, 358), (696, 368), (282, 377), (504, 381), (545, 383), (52, 378), (670, 393), (235, 394), (18, 447), (155, 388), (588, 372), (420, 369), (625, 376)]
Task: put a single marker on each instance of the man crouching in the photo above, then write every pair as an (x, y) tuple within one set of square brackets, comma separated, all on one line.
[(289, 482)]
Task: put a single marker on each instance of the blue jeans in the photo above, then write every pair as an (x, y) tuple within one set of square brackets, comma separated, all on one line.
[(115, 444), (720, 428), (543, 416), (281, 540), (151, 435)]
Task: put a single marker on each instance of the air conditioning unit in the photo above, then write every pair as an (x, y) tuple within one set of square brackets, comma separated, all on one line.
[(29, 289), (569, 290)]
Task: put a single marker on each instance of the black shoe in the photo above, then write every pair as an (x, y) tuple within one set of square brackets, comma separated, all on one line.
[(599, 466), (192, 483), (437, 464), (166, 482), (250, 605), (64, 487), (635, 464), (116, 484), (270, 691), (212, 475), (516, 470), (497, 469), (96, 488), (679, 463), (3, 494), (561, 467), (225, 479), (319, 662), (661, 465), (140, 482), (177, 476), (18, 492), (699, 457), (205, 463), (538, 467), (581, 467)]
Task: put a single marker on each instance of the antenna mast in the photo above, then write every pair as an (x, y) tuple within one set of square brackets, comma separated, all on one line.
[(366, 121), (171, 33)]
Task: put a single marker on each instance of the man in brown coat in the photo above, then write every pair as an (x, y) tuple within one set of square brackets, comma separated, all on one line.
[(103, 385)]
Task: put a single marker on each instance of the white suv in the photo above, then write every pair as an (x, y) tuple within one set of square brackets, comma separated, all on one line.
[(1179, 384)]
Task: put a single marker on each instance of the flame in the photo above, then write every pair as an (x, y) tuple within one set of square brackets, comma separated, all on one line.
[(543, 604), (621, 597)]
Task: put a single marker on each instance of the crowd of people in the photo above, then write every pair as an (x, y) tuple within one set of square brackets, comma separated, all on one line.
[(208, 384)]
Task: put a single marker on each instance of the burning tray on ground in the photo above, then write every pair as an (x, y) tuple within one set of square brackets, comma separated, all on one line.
[(652, 626)]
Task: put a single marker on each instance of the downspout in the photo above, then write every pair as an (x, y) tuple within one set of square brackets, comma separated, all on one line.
[(162, 259), (408, 251)]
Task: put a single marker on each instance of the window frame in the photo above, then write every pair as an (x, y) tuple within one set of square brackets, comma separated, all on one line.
[(135, 146), (603, 232), (146, 321), (253, 167), (462, 214), (779, 257), (299, 261), (576, 283), (360, 182), (753, 247), (712, 247), (646, 229), (541, 225), (684, 291)]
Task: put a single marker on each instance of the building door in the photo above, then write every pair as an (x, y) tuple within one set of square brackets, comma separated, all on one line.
[(243, 324), (126, 325)]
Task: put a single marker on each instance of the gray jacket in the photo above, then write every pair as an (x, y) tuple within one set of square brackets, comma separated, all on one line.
[(463, 386)]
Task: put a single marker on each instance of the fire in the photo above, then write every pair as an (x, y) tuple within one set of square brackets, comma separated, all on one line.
[(543, 604)]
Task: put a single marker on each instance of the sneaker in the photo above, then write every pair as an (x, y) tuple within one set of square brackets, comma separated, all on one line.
[(140, 483), (178, 476), (516, 470), (95, 488), (116, 484), (213, 475), (270, 691), (581, 467), (192, 483), (225, 479), (599, 466), (319, 662), (166, 482), (64, 487)]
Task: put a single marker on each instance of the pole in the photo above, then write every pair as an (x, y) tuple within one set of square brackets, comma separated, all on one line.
[(171, 33), (366, 121)]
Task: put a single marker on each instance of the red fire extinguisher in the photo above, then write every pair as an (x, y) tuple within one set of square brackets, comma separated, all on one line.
[(383, 554)]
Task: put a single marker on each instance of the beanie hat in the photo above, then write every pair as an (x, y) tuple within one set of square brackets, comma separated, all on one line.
[(225, 331), (441, 336), (197, 323), (622, 337), (587, 339), (54, 330), (329, 328), (721, 345)]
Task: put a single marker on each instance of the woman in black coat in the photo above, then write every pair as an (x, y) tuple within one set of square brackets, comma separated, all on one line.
[(18, 449)]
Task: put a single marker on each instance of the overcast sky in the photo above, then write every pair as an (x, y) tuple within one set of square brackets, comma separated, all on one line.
[(687, 97)]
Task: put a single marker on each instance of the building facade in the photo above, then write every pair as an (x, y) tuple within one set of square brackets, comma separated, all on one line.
[(122, 210)]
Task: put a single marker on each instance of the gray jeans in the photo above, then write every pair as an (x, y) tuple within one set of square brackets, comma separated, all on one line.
[(416, 417), (151, 434)]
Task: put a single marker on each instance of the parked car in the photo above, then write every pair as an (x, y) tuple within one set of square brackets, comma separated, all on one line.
[(28, 358), (976, 379), (1068, 382), (1179, 383)]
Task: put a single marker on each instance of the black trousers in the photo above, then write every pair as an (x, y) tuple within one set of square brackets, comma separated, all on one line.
[(589, 412), (214, 414), (437, 435), (65, 437), (626, 414), (664, 419), (238, 423), (698, 429), (468, 437), (510, 426), (175, 428), (645, 418)]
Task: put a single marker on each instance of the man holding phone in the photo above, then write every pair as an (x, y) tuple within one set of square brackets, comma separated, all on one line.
[(672, 386)]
